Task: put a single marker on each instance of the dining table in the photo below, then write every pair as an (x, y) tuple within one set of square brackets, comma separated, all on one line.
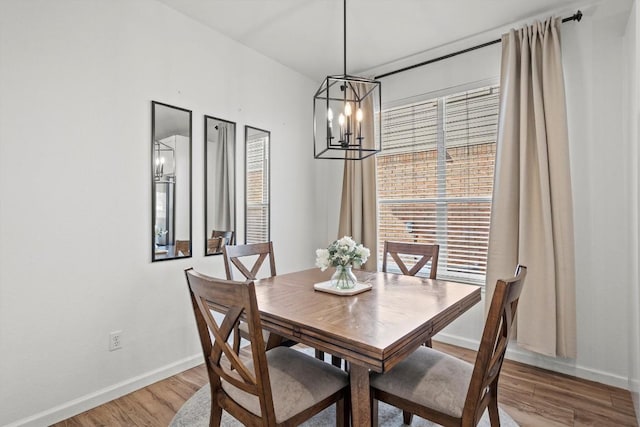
[(373, 330)]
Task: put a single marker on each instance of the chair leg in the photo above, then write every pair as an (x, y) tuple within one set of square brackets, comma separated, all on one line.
[(343, 410), (428, 343), (319, 354), (494, 416), (216, 415), (407, 417), (374, 412), (340, 413)]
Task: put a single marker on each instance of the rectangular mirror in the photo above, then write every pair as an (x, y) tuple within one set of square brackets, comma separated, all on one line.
[(257, 185), (220, 184), (170, 182)]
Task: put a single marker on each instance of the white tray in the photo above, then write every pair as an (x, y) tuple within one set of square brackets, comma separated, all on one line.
[(326, 287)]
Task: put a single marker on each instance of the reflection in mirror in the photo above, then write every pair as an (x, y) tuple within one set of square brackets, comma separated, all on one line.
[(257, 192), (220, 184), (171, 181)]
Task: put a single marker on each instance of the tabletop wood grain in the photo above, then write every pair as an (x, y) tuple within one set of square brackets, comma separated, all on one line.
[(372, 330)]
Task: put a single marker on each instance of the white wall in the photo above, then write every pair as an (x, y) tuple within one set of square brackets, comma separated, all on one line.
[(76, 83), (632, 38), (594, 60)]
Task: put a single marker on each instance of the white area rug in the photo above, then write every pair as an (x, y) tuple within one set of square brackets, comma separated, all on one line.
[(195, 413)]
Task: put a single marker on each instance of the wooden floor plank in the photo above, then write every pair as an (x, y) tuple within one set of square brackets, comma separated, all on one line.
[(533, 397)]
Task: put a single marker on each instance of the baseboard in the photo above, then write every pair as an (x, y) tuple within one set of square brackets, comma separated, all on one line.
[(634, 387), (544, 362), (84, 403)]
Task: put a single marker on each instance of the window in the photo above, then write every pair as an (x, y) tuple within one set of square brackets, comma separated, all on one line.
[(435, 179), (257, 185)]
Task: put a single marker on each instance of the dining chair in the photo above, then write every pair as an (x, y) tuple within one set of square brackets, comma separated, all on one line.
[(214, 245), (445, 389), (233, 257), (397, 249), (183, 246), (239, 257), (426, 252), (227, 237), (278, 387), (235, 254)]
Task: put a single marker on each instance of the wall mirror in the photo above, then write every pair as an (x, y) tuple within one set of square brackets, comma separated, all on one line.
[(170, 181), (257, 185), (220, 184)]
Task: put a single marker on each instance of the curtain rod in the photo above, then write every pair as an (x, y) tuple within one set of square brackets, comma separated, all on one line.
[(575, 17)]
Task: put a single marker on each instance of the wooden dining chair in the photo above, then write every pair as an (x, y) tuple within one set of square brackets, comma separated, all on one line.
[(183, 246), (226, 237), (239, 255), (214, 245), (279, 387), (426, 252), (445, 389)]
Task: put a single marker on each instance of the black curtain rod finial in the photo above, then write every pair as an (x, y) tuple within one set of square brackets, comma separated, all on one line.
[(575, 17)]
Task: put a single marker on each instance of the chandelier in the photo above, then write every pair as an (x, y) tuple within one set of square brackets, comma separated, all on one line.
[(346, 114), (164, 154)]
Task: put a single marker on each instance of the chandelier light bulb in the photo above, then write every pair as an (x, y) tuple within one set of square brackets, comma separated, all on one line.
[(341, 119), (359, 115), (329, 115), (347, 109)]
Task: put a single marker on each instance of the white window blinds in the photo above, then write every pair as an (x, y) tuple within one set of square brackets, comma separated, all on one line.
[(257, 197), (435, 179)]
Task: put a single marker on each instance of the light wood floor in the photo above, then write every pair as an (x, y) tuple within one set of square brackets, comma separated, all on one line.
[(532, 396)]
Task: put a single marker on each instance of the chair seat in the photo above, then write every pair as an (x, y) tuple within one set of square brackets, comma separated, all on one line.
[(297, 381), (429, 378)]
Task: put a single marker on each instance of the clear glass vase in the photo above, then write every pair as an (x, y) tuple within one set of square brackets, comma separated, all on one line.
[(343, 278)]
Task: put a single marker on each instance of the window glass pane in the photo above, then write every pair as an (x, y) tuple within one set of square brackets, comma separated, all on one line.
[(435, 179)]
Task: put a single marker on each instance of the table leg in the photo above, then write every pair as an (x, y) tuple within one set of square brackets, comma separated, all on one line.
[(360, 396)]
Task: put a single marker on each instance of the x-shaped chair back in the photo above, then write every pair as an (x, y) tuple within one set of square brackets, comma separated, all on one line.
[(233, 300), (426, 252), (233, 255)]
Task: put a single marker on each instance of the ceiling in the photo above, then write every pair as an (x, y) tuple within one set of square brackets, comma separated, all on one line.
[(307, 35)]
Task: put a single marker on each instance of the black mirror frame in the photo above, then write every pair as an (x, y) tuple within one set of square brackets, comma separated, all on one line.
[(235, 207), (153, 185)]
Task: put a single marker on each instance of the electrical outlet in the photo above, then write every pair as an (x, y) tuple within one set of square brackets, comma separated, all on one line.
[(115, 340)]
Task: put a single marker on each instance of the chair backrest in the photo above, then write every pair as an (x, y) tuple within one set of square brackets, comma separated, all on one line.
[(183, 246), (214, 245), (223, 362), (232, 255), (497, 330), (397, 249), (228, 237)]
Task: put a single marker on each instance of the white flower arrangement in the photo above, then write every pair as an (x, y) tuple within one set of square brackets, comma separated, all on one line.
[(342, 252), (160, 231)]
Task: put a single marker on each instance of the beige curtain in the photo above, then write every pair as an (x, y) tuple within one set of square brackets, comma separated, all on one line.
[(532, 219), (222, 190), (358, 210)]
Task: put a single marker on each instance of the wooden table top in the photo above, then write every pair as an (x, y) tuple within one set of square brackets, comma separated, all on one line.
[(375, 329)]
